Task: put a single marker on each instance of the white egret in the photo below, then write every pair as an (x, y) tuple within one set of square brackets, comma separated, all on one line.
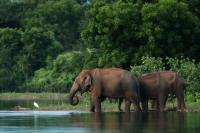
[(36, 105)]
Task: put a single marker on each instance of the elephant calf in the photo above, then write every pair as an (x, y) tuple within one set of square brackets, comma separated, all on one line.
[(158, 85), (106, 82)]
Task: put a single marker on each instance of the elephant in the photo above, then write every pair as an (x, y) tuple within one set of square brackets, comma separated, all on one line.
[(156, 86), (106, 83)]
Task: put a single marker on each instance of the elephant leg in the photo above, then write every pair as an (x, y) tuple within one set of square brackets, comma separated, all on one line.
[(136, 103), (92, 107), (96, 103), (157, 104), (165, 96), (120, 102), (161, 101), (180, 101), (153, 104), (127, 105), (145, 104)]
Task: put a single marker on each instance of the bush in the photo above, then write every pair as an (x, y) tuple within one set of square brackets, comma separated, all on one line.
[(59, 74), (148, 64)]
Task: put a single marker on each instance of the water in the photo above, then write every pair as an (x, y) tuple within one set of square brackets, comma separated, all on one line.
[(81, 122)]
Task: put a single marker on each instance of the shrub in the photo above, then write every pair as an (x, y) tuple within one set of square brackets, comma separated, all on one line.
[(148, 64), (59, 74)]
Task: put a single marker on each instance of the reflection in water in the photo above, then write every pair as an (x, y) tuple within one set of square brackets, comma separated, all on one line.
[(154, 122), (137, 122)]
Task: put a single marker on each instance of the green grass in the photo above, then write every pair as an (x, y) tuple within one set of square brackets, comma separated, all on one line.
[(10, 96), (83, 105)]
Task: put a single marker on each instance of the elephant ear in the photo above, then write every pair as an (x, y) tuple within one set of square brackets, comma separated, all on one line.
[(88, 81)]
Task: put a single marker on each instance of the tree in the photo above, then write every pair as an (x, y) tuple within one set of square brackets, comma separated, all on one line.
[(10, 45), (59, 74), (12, 12), (61, 17), (113, 28), (170, 29), (194, 7), (38, 45)]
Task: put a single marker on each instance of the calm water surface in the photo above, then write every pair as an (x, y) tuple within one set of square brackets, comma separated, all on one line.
[(81, 122)]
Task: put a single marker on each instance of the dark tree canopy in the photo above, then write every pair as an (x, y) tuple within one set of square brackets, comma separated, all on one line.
[(62, 17), (170, 29)]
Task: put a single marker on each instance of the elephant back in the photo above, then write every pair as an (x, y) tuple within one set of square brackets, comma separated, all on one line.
[(149, 84)]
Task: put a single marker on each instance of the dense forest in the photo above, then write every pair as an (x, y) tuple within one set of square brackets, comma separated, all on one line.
[(45, 43)]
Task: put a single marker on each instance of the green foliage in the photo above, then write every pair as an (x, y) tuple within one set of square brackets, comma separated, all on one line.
[(59, 73), (113, 28), (148, 64), (137, 28), (171, 29), (10, 45), (194, 6), (22, 53), (11, 14), (39, 44), (193, 97), (83, 34), (60, 16)]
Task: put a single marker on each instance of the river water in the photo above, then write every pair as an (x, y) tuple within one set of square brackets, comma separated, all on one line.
[(82, 122)]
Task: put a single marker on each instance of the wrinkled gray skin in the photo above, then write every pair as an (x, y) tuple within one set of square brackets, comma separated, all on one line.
[(106, 83)]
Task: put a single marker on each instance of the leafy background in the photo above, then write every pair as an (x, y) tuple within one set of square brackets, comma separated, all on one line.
[(45, 44)]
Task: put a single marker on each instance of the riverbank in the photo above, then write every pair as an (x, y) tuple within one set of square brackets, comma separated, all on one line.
[(51, 101), (11, 96), (58, 101)]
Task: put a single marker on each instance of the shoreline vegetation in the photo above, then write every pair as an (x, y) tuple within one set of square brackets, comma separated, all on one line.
[(107, 106)]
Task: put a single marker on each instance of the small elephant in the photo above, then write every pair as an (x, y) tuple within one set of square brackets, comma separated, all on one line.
[(106, 83), (157, 86)]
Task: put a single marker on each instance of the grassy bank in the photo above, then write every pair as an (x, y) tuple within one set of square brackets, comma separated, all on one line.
[(60, 98), (11, 96), (84, 104)]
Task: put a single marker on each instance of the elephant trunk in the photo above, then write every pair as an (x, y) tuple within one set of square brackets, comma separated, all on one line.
[(73, 100)]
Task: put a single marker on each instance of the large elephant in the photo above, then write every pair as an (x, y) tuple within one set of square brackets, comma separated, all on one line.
[(156, 86), (106, 82)]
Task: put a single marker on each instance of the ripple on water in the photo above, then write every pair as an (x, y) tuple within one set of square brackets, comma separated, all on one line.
[(39, 113)]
